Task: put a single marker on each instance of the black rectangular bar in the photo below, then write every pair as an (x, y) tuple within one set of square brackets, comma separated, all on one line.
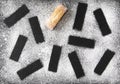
[(104, 61), (36, 29), (80, 16), (28, 70), (16, 16), (21, 41), (76, 64), (104, 27), (54, 60), (81, 42)]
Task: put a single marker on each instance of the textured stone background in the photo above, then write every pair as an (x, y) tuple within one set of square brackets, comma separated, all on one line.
[(32, 51)]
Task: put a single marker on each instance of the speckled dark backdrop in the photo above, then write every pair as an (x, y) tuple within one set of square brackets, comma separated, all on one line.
[(32, 51)]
